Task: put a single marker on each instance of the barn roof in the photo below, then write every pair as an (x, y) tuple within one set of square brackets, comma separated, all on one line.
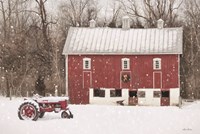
[(120, 41)]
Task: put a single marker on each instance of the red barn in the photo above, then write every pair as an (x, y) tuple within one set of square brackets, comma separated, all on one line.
[(139, 66)]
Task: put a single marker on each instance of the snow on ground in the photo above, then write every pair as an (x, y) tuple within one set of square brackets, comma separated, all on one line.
[(101, 119)]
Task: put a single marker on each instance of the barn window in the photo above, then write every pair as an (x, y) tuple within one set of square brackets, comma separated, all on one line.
[(116, 93), (156, 94), (99, 93), (165, 94), (125, 63), (157, 63), (87, 63), (132, 93), (141, 94)]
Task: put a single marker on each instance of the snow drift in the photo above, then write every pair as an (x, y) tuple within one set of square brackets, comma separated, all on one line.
[(101, 119)]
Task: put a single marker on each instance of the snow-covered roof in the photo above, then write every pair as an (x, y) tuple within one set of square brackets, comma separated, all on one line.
[(119, 41)]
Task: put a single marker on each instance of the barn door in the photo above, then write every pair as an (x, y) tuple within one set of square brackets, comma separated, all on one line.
[(86, 79), (157, 79), (125, 79), (86, 85), (165, 98)]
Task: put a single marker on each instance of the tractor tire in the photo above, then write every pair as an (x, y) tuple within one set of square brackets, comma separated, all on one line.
[(41, 115), (28, 111), (64, 114), (71, 115)]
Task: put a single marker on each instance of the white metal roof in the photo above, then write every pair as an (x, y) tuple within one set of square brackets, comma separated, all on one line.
[(119, 41)]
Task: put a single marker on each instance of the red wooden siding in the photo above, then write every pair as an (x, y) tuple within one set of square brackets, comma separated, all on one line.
[(106, 72)]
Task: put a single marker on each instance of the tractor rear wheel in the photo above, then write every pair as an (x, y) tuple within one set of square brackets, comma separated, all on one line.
[(28, 111)]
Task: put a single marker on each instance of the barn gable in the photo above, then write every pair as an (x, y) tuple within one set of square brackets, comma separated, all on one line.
[(120, 41)]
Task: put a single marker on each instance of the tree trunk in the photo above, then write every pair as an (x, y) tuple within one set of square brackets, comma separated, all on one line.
[(190, 85)]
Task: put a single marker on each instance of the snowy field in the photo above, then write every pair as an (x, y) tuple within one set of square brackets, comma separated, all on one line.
[(98, 119)]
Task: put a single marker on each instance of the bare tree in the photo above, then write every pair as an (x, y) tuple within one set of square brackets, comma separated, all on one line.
[(13, 55), (79, 12), (116, 10), (147, 12), (190, 61), (42, 51)]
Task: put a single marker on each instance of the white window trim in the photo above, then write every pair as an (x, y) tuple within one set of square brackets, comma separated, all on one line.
[(154, 63), (128, 63), (89, 63)]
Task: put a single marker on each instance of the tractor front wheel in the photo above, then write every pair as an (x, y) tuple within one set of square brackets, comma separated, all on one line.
[(64, 114), (67, 114), (41, 115), (28, 111)]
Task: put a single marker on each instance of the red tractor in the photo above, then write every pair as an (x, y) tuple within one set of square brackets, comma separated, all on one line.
[(32, 109)]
